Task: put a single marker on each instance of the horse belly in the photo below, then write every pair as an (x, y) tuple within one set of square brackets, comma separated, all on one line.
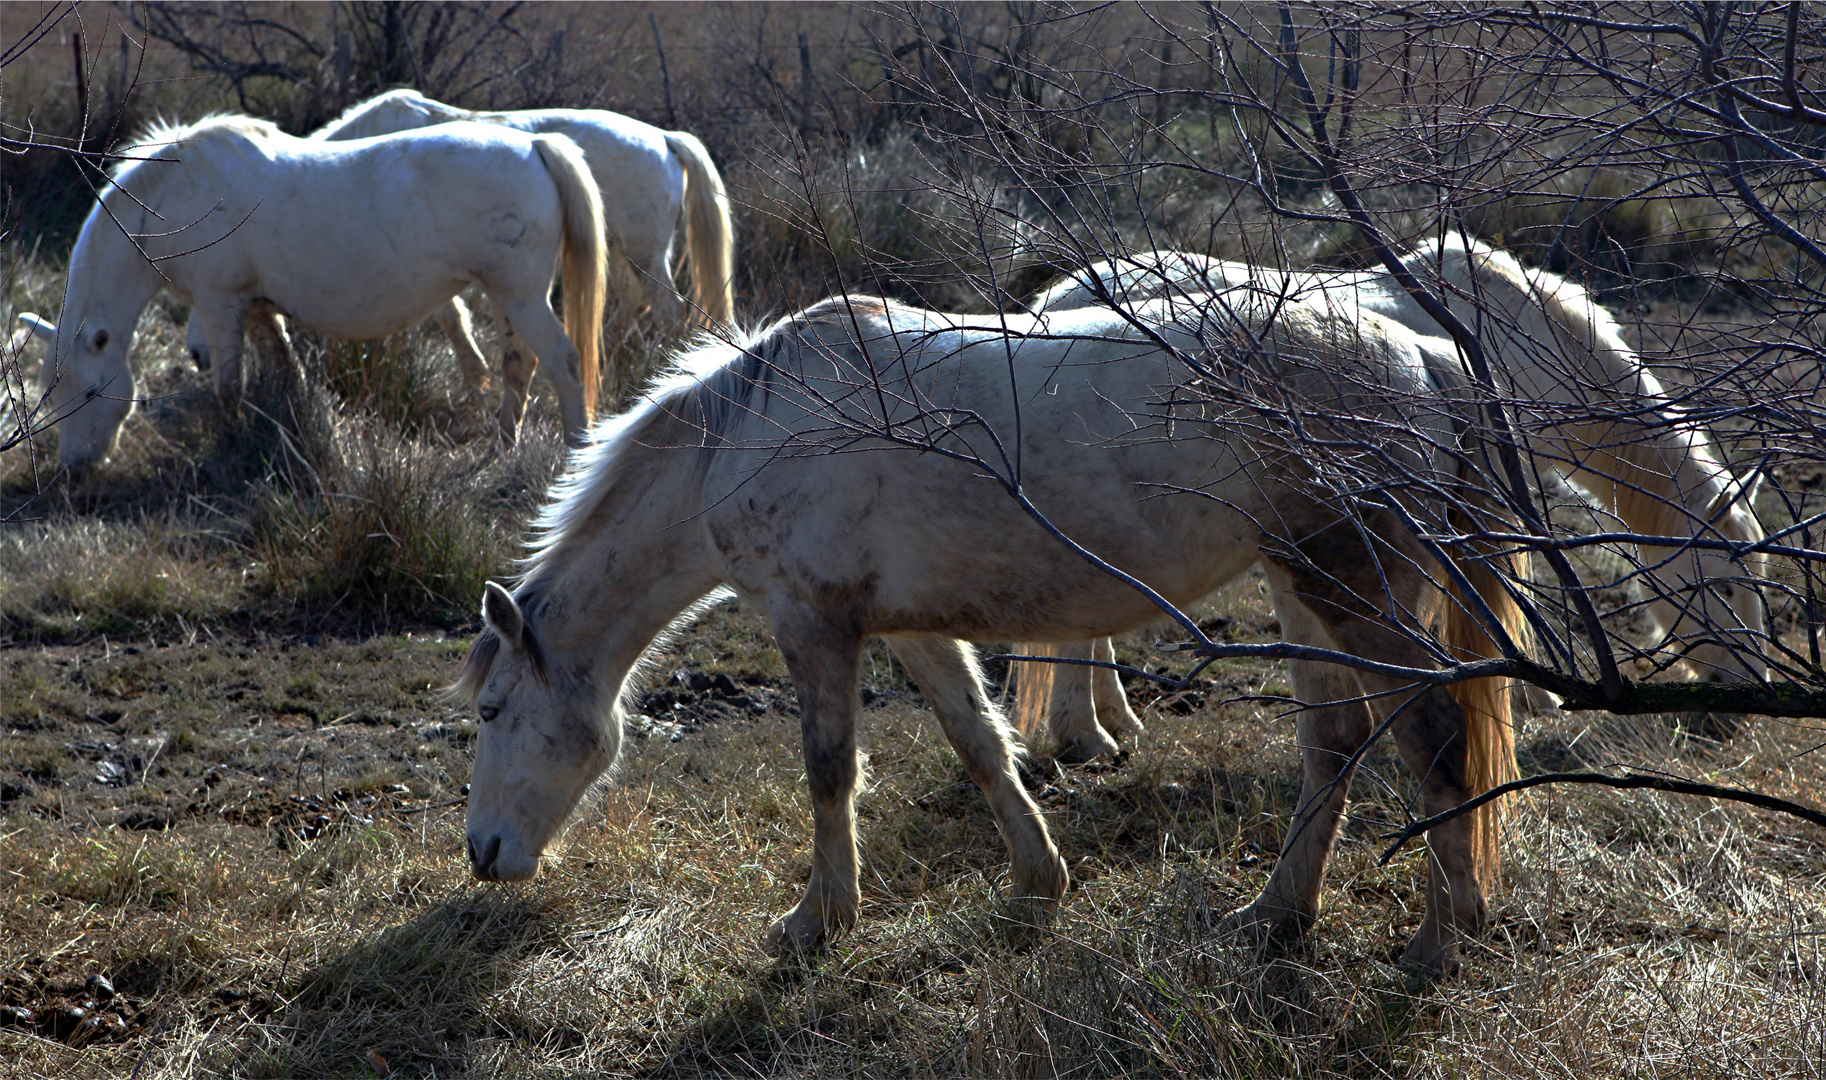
[(934, 549)]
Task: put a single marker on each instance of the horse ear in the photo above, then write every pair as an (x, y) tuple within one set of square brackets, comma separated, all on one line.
[(1756, 485), (40, 328), (503, 615), (1736, 494)]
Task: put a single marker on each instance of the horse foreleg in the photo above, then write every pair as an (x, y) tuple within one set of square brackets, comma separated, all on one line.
[(453, 319), (1328, 735), (947, 675), (824, 658), (196, 341), (224, 323)]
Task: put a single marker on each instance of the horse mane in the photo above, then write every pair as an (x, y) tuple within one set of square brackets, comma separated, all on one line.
[(705, 388), (1648, 463), (164, 135)]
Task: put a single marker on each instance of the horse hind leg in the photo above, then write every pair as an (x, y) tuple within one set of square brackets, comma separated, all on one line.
[(531, 322), (1430, 731), (453, 318), (1430, 737), (947, 674), (824, 657), (518, 363), (1111, 700), (1071, 715), (661, 298), (1329, 732)]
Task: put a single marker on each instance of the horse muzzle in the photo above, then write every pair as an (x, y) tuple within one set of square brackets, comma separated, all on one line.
[(489, 862)]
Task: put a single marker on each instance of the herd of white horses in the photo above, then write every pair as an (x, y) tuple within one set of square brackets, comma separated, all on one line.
[(742, 470)]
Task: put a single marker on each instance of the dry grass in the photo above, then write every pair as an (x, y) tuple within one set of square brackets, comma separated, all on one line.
[(225, 768), (246, 833), (1635, 936)]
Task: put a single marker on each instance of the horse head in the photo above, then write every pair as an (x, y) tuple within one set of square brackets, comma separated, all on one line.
[(88, 383), (543, 741)]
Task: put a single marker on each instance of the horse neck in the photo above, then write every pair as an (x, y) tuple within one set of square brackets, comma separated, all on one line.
[(1668, 482), (627, 568), (109, 275), (1658, 479)]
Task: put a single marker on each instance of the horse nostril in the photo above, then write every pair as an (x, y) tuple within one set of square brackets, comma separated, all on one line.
[(482, 864)]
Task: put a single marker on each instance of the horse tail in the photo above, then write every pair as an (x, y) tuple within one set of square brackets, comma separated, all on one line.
[(1033, 685), (1489, 718), (584, 259), (709, 236)]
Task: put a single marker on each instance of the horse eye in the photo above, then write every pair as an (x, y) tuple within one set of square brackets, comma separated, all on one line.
[(489, 712), (101, 340)]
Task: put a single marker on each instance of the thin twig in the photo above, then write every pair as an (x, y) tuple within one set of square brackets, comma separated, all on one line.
[(1628, 781)]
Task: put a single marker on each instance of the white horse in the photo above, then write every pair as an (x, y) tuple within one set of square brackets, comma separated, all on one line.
[(837, 470), (357, 239), (1602, 419), (652, 182)]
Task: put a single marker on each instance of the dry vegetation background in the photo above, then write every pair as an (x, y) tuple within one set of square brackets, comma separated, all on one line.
[(229, 781)]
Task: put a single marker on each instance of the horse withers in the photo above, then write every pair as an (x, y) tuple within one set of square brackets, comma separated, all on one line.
[(355, 240), (848, 471)]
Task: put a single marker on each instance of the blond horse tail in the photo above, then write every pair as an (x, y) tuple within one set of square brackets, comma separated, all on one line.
[(709, 236), (1489, 717), (584, 260), (1032, 689)]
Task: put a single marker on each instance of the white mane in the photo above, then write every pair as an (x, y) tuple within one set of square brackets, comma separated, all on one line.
[(594, 468), (161, 137), (1647, 466), (163, 141)]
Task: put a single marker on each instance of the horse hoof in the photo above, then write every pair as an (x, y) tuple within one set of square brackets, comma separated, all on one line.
[(782, 941), (1036, 900), (800, 932), (1122, 723), (1086, 748), (1426, 963), (1257, 925)]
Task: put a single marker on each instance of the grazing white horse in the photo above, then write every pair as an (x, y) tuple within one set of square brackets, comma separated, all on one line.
[(1601, 419), (356, 239), (836, 471), (652, 182)]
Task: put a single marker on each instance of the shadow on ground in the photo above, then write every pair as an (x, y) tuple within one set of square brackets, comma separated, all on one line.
[(416, 996)]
